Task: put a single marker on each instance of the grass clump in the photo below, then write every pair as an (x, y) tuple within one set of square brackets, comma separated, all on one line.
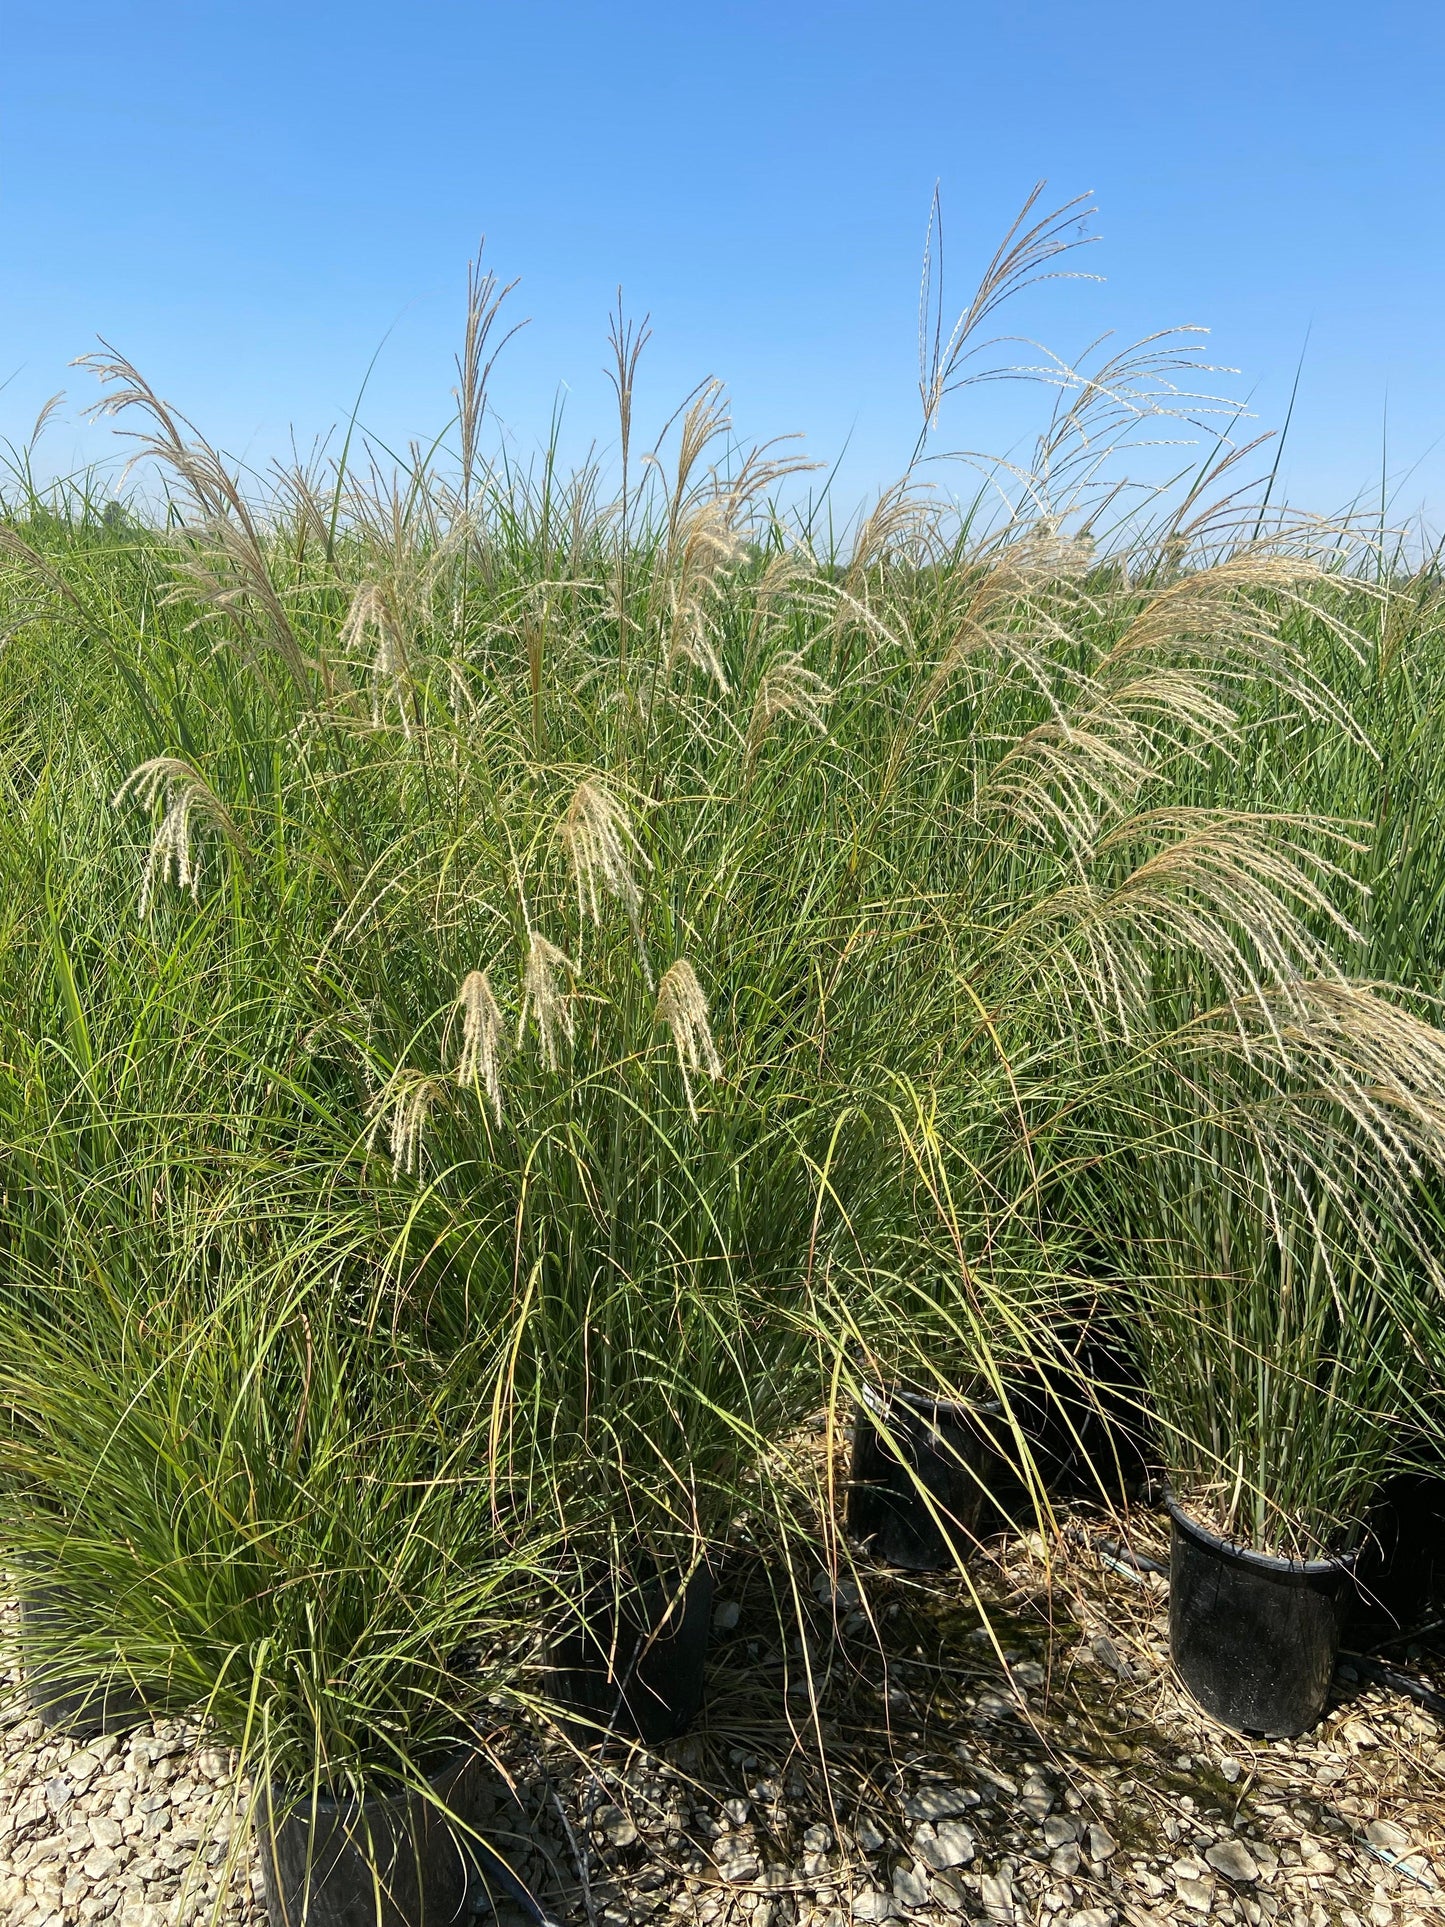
[(515, 1000)]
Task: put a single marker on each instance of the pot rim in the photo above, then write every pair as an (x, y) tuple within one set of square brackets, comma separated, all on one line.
[(281, 1802), (1339, 1565)]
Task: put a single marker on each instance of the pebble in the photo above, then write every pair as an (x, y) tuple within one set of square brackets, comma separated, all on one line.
[(1102, 1844), (872, 1905), (1359, 1733), (912, 1886), (1037, 1799), (1233, 1859), (937, 1803), (953, 1891), (616, 1827), (1107, 1653), (950, 1844), (1385, 1833), (737, 1860), (997, 1894)]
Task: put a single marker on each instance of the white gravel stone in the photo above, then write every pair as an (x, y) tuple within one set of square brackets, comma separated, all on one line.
[(912, 1886), (1234, 1860), (737, 1860), (937, 1803), (1385, 1833), (1194, 1893), (997, 1894), (949, 1844), (872, 1905), (1102, 1844)]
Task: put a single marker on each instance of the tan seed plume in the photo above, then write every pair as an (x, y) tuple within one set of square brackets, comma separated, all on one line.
[(547, 996), (402, 1109), (601, 848), (788, 688), (373, 614), (484, 1042), (682, 1007), (186, 797)]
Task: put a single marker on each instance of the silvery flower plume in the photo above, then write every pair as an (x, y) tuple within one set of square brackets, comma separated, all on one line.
[(547, 996), (174, 853), (484, 1043), (374, 614), (601, 848), (787, 688), (402, 1109), (682, 1007)]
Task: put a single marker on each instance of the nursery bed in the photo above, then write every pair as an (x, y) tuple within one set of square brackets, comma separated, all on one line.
[(1092, 1794)]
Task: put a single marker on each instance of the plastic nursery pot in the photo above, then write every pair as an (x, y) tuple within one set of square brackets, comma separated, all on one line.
[(1254, 1637), (631, 1663), (953, 1452), (68, 1698), (1401, 1566), (1084, 1424), (391, 1860)]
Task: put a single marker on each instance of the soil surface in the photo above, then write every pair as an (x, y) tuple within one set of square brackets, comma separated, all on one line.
[(1010, 1748)]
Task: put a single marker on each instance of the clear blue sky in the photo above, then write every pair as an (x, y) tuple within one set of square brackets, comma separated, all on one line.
[(245, 198)]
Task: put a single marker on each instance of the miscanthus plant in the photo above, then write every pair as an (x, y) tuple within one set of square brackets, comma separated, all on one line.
[(1291, 1320), (224, 1495), (695, 976)]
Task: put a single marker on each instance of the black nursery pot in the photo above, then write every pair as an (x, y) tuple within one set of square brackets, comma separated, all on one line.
[(66, 1698), (1254, 1637), (389, 1861), (1401, 1566), (632, 1663), (952, 1451), (1085, 1424)]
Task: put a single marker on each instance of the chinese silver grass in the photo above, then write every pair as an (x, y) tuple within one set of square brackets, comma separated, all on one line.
[(708, 547), (547, 997), (682, 1009), (401, 1110), (184, 798), (484, 1040), (373, 618), (787, 687), (224, 553), (976, 879), (601, 848)]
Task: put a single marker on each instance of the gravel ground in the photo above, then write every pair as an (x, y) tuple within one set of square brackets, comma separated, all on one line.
[(143, 1830), (1062, 1779)]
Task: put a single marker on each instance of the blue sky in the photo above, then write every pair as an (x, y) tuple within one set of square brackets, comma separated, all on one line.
[(247, 199)]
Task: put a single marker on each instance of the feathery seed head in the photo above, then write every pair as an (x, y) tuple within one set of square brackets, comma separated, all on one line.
[(169, 781), (484, 1043), (402, 1108), (547, 996), (373, 613), (682, 1006), (601, 845), (705, 548), (788, 688)]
